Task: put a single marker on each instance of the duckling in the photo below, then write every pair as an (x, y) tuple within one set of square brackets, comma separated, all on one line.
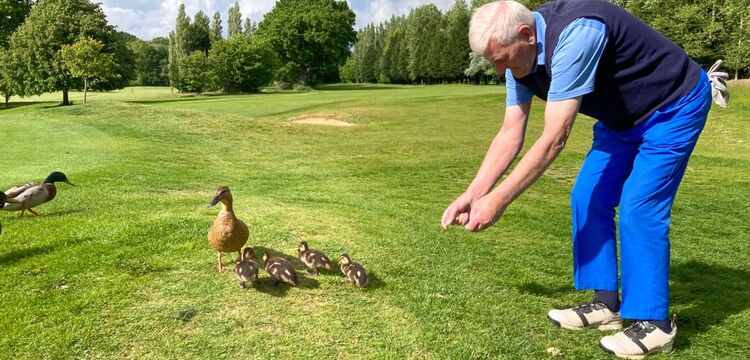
[(30, 195), (246, 270), (313, 259), (280, 269), (354, 272), (228, 233)]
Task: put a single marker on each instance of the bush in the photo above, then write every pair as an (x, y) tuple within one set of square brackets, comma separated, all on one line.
[(242, 63), (194, 73)]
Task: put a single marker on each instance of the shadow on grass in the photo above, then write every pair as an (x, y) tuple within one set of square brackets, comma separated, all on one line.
[(18, 255), (14, 105), (265, 283), (712, 293), (535, 288), (355, 87)]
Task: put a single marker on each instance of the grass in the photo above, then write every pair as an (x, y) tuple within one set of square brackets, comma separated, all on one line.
[(119, 266)]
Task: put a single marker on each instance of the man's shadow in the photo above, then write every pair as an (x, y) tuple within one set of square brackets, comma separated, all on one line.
[(708, 295)]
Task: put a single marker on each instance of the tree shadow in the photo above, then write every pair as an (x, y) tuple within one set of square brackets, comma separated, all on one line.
[(15, 256), (708, 294), (336, 87), (13, 105)]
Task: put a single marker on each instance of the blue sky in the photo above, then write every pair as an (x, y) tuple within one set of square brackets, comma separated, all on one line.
[(147, 19)]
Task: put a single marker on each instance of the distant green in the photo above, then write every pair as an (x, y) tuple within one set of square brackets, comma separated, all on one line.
[(119, 267)]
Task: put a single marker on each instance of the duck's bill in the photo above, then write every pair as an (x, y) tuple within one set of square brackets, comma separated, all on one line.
[(69, 183), (213, 202)]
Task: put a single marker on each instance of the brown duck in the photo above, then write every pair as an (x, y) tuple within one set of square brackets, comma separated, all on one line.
[(228, 233)]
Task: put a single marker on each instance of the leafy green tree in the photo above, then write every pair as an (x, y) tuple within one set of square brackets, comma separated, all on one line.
[(199, 33), (394, 60), (250, 27), (6, 86), (424, 42), (181, 32), (216, 28), (243, 63), (173, 69), (315, 35), (348, 71), (12, 15), (194, 72), (152, 62), (234, 21), (85, 59), (367, 54), (35, 48), (737, 43), (455, 57)]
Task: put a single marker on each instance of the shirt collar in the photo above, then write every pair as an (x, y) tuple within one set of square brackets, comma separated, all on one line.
[(541, 30)]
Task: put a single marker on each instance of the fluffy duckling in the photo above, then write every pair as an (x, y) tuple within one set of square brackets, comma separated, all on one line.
[(246, 270), (313, 259), (354, 272), (30, 195), (280, 269), (228, 233)]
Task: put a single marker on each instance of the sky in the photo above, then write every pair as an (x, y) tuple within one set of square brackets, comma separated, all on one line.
[(148, 19)]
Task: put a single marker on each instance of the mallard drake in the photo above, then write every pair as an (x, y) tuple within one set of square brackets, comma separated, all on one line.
[(280, 269), (354, 272), (30, 195), (3, 199), (313, 259), (228, 233), (246, 270)]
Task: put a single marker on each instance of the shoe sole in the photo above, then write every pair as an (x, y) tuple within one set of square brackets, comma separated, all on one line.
[(666, 349), (600, 327)]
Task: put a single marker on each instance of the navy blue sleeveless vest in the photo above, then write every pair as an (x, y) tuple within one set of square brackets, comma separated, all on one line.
[(639, 71)]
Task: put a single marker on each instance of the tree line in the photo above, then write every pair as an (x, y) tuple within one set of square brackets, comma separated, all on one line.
[(427, 46), (59, 45)]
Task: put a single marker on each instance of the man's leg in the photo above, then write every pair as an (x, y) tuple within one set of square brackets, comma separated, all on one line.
[(668, 139), (593, 200)]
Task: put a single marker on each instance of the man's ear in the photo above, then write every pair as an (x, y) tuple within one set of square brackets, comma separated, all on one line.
[(526, 34)]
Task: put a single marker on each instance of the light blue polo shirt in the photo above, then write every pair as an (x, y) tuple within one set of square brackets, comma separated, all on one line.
[(574, 62)]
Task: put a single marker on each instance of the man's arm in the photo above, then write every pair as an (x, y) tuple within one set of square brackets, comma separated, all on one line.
[(501, 153), (558, 122)]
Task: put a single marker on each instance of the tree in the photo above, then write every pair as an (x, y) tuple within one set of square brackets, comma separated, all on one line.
[(199, 34), (6, 86), (194, 72), (216, 28), (243, 63), (51, 24), (152, 62), (85, 59), (234, 20), (737, 45), (181, 30), (314, 35), (424, 41), (12, 14), (173, 69), (250, 27), (455, 58)]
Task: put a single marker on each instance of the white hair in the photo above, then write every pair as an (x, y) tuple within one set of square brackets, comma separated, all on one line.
[(499, 21)]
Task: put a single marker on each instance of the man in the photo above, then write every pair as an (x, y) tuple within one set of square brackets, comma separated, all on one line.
[(651, 102)]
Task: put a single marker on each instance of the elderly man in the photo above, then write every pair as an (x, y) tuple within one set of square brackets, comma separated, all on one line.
[(651, 102)]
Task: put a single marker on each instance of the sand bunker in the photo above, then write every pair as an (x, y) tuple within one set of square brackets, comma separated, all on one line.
[(322, 120)]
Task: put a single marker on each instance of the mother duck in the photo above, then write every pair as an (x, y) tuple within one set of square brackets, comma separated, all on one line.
[(25, 197)]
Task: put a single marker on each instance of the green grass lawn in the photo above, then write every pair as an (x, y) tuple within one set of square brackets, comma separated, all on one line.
[(113, 262)]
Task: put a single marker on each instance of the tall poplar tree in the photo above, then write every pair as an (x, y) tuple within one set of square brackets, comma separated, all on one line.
[(234, 20)]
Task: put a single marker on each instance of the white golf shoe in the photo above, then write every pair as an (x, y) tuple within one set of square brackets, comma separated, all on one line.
[(638, 340), (593, 315)]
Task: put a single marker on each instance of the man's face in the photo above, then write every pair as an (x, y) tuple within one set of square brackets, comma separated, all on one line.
[(518, 56)]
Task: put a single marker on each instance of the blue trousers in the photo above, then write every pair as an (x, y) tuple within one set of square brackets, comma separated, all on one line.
[(638, 169)]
